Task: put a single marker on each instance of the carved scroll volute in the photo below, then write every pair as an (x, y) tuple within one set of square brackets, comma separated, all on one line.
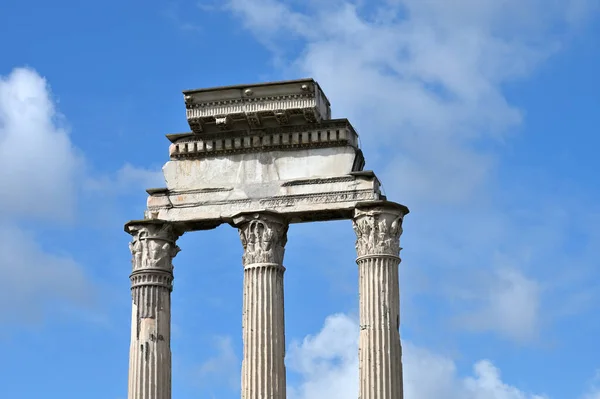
[(153, 246), (378, 231), (263, 238)]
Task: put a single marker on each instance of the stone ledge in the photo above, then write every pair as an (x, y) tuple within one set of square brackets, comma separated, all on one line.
[(332, 134), (382, 203), (300, 200), (330, 124)]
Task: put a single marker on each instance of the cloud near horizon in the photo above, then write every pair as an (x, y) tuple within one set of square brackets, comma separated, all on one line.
[(327, 365), (324, 365)]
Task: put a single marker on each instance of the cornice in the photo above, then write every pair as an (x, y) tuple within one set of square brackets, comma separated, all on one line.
[(191, 104), (323, 125), (290, 139), (277, 103)]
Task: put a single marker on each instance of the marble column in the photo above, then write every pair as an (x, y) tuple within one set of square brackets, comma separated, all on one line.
[(153, 249), (263, 237), (378, 228)]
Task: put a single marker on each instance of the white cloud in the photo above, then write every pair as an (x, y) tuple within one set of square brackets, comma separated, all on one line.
[(594, 390), (38, 163), (426, 79), (39, 173), (509, 303), (41, 170), (327, 364), (426, 76), (130, 175), (34, 281), (129, 178), (222, 368), (329, 369)]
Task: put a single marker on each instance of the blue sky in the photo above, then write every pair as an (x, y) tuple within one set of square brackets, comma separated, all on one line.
[(481, 116)]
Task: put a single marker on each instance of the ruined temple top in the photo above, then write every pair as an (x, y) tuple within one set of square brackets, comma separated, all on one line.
[(262, 147), (255, 106)]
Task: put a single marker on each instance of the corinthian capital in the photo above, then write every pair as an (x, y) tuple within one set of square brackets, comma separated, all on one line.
[(263, 237), (153, 246), (378, 228)]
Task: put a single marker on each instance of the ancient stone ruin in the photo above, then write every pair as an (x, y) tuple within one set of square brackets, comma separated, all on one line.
[(260, 157)]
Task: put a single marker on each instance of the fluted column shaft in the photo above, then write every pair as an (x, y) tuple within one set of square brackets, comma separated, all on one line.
[(153, 248), (263, 237), (378, 231)]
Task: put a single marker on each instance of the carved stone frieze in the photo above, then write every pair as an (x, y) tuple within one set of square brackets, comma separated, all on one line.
[(186, 207), (318, 180), (263, 238), (210, 105), (153, 246), (310, 115), (253, 119), (325, 126), (378, 231), (318, 198), (281, 116), (223, 122)]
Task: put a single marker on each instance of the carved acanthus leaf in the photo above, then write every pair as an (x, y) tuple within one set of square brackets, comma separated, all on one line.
[(377, 232), (263, 241), (153, 247)]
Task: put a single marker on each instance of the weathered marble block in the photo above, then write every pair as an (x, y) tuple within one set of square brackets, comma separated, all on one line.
[(262, 156), (256, 105), (300, 200)]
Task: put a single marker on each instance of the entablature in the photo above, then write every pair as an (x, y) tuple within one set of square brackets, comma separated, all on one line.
[(298, 200)]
